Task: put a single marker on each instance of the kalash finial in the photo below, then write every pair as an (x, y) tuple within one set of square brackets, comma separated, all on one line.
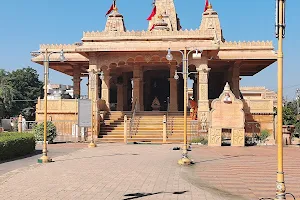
[(115, 6), (209, 6)]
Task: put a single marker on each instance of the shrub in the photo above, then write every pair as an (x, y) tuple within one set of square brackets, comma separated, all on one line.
[(13, 145), (38, 131), (263, 135), (201, 139)]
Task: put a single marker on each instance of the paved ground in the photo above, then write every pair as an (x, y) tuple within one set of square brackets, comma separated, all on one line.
[(55, 150), (249, 171), (117, 171)]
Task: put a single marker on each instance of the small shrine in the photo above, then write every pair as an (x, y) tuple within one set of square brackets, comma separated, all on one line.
[(155, 104), (227, 115)]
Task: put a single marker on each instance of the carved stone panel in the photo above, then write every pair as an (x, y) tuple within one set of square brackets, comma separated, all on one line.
[(215, 137), (238, 137), (227, 111)]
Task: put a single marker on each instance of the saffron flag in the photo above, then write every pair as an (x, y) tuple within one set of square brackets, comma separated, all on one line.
[(152, 27), (111, 8), (206, 5), (152, 14)]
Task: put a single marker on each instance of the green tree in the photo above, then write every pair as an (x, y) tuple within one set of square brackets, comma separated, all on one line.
[(27, 87), (6, 94)]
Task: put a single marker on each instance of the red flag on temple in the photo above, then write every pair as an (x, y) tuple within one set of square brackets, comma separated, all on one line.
[(152, 14), (206, 5), (111, 8), (152, 27)]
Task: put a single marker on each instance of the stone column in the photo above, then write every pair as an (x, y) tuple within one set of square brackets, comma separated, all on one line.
[(138, 88), (203, 101), (173, 90), (236, 79), (76, 82), (105, 89), (93, 90)]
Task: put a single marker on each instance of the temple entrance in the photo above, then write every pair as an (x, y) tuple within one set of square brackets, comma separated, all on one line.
[(156, 85)]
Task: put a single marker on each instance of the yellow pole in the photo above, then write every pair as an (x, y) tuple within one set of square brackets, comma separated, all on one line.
[(280, 194), (185, 160), (44, 158)]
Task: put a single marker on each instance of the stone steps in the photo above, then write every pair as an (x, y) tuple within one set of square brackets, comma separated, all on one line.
[(149, 127)]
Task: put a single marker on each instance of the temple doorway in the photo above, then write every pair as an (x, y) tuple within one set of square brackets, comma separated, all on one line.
[(156, 85)]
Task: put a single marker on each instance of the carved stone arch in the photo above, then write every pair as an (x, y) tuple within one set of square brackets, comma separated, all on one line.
[(130, 60), (155, 58), (121, 63), (139, 58)]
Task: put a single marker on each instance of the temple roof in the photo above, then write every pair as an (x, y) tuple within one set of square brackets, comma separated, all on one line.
[(255, 55)]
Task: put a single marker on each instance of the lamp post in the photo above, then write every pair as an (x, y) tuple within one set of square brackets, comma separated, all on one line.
[(47, 54), (92, 74), (185, 160), (280, 33)]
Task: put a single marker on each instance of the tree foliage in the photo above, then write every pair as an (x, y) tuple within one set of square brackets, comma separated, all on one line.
[(22, 84), (290, 115)]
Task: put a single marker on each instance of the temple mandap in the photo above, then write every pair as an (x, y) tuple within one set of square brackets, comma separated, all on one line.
[(128, 73)]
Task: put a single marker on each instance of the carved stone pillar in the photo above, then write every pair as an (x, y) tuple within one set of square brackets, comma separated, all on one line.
[(93, 77), (105, 89), (173, 90), (76, 82), (138, 88), (236, 79), (203, 101), (93, 89)]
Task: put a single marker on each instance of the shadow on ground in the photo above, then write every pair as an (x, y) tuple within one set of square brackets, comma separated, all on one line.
[(36, 152), (140, 195)]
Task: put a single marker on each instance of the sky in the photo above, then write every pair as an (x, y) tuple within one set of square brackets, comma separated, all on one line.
[(24, 25)]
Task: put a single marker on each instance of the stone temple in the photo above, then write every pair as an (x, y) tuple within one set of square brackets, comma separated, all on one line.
[(134, 78)]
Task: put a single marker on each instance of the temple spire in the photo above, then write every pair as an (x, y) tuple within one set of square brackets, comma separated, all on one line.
[(211, 21), (166, 8), (115, 21)]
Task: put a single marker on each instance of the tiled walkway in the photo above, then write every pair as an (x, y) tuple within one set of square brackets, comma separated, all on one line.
[(249, 171), (111, 171), (117, 171)]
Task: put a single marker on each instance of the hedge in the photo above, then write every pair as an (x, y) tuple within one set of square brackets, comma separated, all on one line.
[(13, 145)]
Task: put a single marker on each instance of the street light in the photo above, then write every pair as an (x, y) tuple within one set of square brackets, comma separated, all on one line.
[(46, 54), (185, 160), (92, 73), (280, 34)]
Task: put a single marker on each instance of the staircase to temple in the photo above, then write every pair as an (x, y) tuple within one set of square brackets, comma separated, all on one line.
[(147, 127)]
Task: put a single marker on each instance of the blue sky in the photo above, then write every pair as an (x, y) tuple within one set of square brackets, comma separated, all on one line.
[(26, 24)]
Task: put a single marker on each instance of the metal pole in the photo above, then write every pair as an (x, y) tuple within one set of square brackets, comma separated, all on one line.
[(185, 160), (280, 193), (44, 158)]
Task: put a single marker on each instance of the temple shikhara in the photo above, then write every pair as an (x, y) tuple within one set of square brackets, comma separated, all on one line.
[(130, 75)]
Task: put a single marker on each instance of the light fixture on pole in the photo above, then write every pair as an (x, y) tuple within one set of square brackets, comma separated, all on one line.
[(185, 160), (47, 54)]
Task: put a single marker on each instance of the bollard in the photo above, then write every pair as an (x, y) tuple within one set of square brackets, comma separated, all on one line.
[(20, 123), (125, 129), (164, 129)]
